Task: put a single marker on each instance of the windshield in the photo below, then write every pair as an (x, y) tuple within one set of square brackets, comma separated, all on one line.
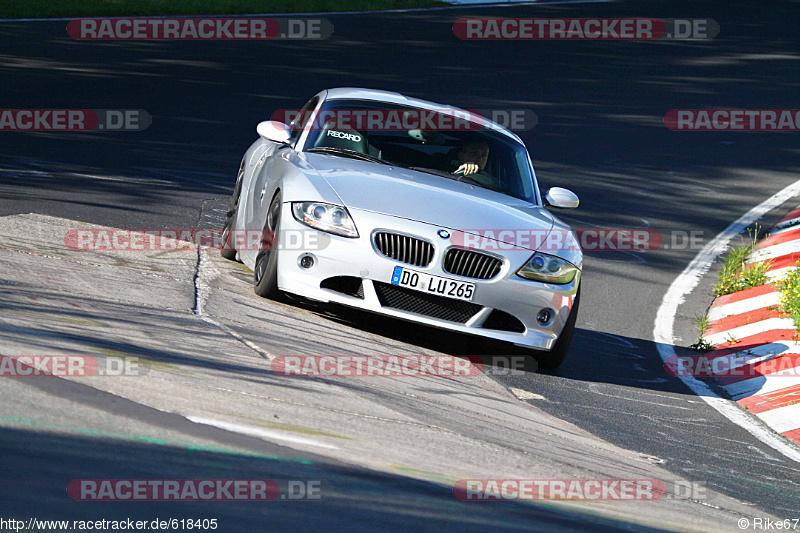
[(423, 140)]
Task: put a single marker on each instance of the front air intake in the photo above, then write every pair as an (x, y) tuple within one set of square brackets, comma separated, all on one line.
[(472, 264), (403, 248)]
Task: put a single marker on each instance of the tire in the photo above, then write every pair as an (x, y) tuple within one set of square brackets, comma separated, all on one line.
[(265, 273), (553, 359), (228, 251)]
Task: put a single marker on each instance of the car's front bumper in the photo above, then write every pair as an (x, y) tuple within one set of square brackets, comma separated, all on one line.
[(336, 257)]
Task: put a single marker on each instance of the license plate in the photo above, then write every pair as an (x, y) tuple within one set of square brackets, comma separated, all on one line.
[(420, 281)]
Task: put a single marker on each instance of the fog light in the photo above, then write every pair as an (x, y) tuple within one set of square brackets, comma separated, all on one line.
[(544, 317), (306, 261)]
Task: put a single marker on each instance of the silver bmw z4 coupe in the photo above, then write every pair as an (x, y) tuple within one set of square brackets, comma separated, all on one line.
[(410, 209)]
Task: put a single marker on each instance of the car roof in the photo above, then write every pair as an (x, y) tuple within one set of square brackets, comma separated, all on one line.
[(357, 93)]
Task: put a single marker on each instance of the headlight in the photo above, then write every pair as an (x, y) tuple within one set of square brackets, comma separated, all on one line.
[(325, 217), (548, 268)]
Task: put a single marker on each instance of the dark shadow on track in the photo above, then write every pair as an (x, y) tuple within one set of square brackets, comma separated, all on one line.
[(41, 464)]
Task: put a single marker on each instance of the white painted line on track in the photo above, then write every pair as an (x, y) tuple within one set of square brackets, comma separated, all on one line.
[(259, 432), (743, 306), (685, 283), (764, 384), (775, 251), (749, 330), (761, 352), (779, 273), (782, 419)]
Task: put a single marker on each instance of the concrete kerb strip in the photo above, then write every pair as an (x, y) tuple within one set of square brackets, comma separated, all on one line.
[(769, 384), (683, 285)]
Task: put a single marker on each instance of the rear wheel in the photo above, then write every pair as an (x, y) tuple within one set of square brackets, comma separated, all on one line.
[(265, 273), (553, 359)]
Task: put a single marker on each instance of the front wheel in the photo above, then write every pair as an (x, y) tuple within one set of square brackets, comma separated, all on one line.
[(553, 359), (265, 274), (228, 251)]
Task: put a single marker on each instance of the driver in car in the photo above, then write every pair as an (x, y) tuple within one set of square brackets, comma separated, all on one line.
[(473, 156), (470, 161)]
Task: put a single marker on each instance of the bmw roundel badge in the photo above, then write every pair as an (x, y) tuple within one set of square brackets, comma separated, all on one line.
[(443, 233)]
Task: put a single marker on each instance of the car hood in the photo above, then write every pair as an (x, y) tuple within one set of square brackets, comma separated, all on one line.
[(430, 199)]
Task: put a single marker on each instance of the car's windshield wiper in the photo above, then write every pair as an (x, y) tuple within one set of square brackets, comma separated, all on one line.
[(435, 172), (348, 153), (454, 176)]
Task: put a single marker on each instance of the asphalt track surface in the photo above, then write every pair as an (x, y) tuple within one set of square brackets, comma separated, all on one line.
[(600, 133)]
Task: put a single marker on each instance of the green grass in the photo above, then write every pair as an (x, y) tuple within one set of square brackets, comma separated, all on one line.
[(789, 287), (702, 323), (99, 8), (736, 275), (701, 344)]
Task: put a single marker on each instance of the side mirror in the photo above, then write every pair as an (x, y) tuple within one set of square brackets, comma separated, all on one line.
[(274, 131), (561, 198)]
